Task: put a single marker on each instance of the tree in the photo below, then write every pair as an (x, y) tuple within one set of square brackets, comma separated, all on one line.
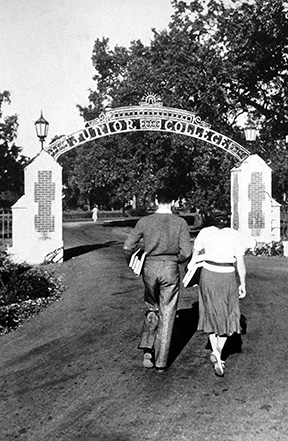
[(220, 61), (11, 161), (253, 38), (144, 161)]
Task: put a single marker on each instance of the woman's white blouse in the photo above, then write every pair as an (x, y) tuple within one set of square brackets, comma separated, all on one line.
[(220, 245)]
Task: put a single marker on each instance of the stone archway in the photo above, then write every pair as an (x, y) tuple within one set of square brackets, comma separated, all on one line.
[(37, 215), (149, 115)]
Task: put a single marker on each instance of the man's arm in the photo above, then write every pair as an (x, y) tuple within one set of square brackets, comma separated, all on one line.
[(184, 244), (194, 260), (132, 242), (198, 247)]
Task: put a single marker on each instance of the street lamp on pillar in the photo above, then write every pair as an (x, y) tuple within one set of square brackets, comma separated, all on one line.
[(41, 126), (250, 132)]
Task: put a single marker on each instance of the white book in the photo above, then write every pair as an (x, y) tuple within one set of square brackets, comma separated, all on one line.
[(137, 261), (192, 276)]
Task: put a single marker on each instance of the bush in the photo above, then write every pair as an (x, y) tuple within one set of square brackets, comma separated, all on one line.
[(74, 216), (32, 284), (79, 215), (24, 291), (137, 212), (266, 249)]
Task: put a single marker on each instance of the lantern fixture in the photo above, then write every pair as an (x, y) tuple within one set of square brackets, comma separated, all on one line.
[(41, 126), (250, 129), (250, 132)]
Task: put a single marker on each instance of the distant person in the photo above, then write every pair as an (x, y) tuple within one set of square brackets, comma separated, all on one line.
[(197, 219), (167, 243), (95, 213), (219, 312)]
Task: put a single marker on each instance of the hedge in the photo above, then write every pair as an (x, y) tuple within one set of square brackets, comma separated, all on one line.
[(24, 291), (80, 216)]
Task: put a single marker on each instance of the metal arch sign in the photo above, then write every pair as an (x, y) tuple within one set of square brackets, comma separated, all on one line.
[(149, 115)]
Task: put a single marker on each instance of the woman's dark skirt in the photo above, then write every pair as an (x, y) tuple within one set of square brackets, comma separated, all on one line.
[(219, 310)]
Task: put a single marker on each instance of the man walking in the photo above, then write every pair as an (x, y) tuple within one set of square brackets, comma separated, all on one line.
[(167, 244)]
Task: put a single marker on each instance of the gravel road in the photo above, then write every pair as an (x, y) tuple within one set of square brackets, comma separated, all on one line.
[(73, 372)]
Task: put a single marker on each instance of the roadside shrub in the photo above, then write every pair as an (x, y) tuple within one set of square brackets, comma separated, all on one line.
[(80, 215), (266, 249), (8, 270), (77, 215), (34, 283), (24, 291)]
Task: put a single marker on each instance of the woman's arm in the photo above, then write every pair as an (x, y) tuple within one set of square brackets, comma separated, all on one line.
[(242, 276)]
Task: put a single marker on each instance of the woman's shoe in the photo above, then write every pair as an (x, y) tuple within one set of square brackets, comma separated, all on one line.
[(218, 364), (148, 360)]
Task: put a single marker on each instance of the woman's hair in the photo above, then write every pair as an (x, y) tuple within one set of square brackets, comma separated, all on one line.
[(218, 218)]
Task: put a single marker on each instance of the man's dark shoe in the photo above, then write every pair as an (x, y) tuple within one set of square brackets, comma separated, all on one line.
[(161, 369)]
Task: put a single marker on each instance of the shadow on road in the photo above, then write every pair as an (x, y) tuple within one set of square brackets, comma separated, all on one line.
[(82, 249), (121, 223), (185, 326), (233, 343)]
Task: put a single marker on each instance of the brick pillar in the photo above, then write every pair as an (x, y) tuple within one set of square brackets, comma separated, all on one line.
[(254, 213), (37, 215)]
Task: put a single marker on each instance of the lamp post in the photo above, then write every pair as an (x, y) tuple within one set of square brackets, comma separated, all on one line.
[(250, 132), (41, 126)]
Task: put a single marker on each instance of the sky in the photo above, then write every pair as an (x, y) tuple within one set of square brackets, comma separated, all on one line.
[(46, 49)]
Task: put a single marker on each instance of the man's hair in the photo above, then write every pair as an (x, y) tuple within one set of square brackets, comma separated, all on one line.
[(164, 196)]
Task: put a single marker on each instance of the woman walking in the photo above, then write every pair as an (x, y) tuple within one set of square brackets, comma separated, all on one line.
[(219, 312)]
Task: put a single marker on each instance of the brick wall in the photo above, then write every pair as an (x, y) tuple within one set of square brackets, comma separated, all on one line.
[(44, 194), (235, 202), (256, 194)]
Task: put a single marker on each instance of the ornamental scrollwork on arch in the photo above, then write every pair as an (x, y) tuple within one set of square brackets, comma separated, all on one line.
[(149, 115)]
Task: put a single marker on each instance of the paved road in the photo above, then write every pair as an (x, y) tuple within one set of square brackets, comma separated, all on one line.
[(73, 372)]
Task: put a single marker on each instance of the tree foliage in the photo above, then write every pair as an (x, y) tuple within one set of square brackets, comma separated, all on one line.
[(220, 61), (11, 161)]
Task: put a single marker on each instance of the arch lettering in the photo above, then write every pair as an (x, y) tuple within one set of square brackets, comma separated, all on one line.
[(149, 115)]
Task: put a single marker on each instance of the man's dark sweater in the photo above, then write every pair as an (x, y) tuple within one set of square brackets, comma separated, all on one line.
[(165, 235)]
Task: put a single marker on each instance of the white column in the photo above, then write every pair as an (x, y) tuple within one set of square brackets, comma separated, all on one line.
[(37, 215), (254, 213)]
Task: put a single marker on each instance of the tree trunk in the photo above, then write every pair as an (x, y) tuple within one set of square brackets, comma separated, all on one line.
[(134, 202)]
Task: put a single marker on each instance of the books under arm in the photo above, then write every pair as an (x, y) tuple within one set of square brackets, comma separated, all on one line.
[(137, 261), (192, 277)]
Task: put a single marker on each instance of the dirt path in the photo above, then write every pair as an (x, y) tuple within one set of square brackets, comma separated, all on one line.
[(73, 372)]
